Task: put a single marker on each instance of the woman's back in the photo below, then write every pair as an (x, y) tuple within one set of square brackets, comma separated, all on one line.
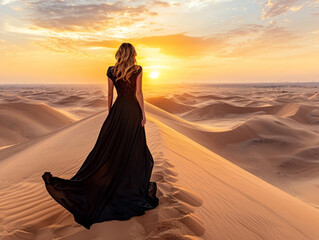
[(124, 87), (113, 182)]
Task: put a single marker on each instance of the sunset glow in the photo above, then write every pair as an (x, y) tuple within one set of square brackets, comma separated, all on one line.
[(193, 41), (154, 74)]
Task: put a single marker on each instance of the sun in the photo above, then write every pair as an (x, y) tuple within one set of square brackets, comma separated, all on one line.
[(154, 74)]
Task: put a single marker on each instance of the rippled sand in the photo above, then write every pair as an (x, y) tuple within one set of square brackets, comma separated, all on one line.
[(231, 162)]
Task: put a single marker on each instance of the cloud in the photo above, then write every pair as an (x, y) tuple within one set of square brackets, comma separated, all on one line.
[(88, 16), (4, 2), (273, 8), (176, 45), (71, 45), (315, 6), (257, 40), (245, 41), (161, 3), (195, 5)]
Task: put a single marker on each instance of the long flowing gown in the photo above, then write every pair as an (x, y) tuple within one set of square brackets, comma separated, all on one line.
[(113, 182)]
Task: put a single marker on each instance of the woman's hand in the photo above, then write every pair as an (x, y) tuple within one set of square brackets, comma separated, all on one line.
[(143, 120)]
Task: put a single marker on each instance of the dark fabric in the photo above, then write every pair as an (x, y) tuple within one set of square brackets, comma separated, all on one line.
[(124, 87), (113, 182)]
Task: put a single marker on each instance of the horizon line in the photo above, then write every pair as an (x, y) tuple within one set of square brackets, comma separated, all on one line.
[(180, 83)]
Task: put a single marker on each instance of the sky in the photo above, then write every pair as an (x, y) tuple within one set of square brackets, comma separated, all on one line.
[(195, 41)]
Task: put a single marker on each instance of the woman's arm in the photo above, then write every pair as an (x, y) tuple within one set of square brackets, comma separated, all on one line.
[(110, 93), (139, 95)]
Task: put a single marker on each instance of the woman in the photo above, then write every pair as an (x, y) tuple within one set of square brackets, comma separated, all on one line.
[(114, 181)]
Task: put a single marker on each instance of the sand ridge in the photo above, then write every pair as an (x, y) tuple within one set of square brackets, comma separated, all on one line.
[(277, 141), (217, 178)]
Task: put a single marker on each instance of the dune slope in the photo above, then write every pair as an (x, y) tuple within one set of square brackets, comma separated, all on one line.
[(21, 121), (202, 195)]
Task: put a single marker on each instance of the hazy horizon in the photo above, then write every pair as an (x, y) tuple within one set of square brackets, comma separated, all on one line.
[(237, 84)]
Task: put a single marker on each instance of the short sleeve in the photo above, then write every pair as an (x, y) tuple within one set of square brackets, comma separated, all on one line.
[(109, 73), (139, 70)]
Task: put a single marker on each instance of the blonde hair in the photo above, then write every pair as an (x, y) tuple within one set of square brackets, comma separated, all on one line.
[(126, 62)]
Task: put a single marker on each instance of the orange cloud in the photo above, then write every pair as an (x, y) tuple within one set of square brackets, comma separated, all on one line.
[(177, 45), (89, 17), (246, 40)]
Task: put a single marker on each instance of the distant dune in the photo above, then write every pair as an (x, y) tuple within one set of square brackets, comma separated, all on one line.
[(70, 100), (222, 109), (23, 121), (97, 103), (168, 105)]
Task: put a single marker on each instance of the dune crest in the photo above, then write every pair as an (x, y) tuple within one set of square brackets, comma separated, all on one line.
[(22, 121), (265, 145), (169, 105)]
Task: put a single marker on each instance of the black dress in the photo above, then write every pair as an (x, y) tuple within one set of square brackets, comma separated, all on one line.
[(114, 181)]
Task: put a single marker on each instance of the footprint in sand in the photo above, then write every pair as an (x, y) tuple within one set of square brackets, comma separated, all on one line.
[(177, 228), (174, 217), (160, 153), (187, 196)]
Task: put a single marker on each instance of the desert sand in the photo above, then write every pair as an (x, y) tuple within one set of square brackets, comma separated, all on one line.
[(231, 162)]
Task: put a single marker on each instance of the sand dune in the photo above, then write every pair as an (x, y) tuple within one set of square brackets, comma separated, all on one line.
[(230, 163), (70, 100), (216, 97), (307, 115), (95, 103), (201, 194), (267, 146), (23, 121), (169, 105), (222, 109), (314, 96)]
